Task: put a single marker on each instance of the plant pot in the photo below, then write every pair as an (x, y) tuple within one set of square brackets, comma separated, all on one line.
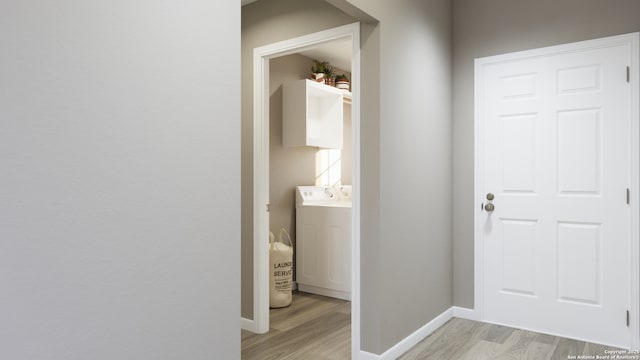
[(343, 84)]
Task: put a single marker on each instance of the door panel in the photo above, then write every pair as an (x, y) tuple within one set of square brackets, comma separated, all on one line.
[(556, 154), (518, 136), (518, 267), (579, 161), (579, 263)]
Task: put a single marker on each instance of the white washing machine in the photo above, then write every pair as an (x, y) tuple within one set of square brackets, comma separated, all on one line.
[(323, 240)]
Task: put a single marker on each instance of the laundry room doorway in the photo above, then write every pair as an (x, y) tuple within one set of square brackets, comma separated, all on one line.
[(262, 137)]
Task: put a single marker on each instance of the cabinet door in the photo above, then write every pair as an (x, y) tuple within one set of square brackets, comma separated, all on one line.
[(323, 254), (312, 115)]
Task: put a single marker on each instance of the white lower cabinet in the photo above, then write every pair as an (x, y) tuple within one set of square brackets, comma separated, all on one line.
[(323, 250)]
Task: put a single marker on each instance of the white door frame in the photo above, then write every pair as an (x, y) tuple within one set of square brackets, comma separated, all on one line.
[(261, 57), (631, 40)]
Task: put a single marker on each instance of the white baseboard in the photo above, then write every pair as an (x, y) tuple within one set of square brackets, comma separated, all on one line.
[(368, 356), (465, 313), (407, 343), (249, 325), (325, 292), (412, 340)]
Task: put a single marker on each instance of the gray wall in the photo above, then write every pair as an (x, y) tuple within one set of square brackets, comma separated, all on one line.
[(119, 193), (293, 166), (490, 27), (263, 23), (406, 168)]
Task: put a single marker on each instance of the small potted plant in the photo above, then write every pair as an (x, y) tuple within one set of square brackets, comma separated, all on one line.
[(342, 82), (322, 71)]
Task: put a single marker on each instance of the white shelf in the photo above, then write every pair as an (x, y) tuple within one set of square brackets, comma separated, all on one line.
[(346, 97), (312, 114)]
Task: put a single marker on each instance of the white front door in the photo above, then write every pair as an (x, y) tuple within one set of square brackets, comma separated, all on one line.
[(556, 155)]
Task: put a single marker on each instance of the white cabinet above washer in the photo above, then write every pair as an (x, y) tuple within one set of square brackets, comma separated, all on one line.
[(311, 114)]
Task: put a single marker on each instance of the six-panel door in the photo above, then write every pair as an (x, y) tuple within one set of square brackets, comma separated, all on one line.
[(556, 146)]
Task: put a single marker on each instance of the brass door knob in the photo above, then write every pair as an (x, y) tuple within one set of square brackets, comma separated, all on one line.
[(489, 207)]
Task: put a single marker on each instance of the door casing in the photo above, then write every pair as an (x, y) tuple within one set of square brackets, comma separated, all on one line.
[(632, 40), (261, 57)]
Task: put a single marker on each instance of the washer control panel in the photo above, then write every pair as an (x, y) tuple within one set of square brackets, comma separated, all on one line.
[(313, 194)]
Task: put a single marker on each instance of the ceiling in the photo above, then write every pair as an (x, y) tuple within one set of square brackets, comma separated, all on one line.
[(337, 52)]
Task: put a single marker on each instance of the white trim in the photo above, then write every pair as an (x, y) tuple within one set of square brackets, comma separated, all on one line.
[(261, 56), (325, 292), (632, 40), (634, 63), (412, 340), (478, 243), (465, 313), (260, 191), (249, 325), (367, 356), (355, 195)]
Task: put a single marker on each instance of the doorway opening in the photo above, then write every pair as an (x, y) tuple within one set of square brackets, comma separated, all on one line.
[(261, 167)]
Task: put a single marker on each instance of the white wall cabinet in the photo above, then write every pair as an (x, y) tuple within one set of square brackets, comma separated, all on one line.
[(312, 114)]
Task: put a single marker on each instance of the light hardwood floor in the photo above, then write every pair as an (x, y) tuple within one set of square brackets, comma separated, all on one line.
[(319, 328), (471, 340), (313, 327)]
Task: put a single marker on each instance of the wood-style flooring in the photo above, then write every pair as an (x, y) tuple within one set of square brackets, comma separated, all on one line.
[(313, 327), (462, 339), (319, 328)]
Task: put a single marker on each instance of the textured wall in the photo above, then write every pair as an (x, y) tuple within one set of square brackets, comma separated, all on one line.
[(119, 193), (491, 27)]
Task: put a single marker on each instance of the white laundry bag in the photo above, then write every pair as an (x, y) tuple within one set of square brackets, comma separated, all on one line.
[(280, 270)]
